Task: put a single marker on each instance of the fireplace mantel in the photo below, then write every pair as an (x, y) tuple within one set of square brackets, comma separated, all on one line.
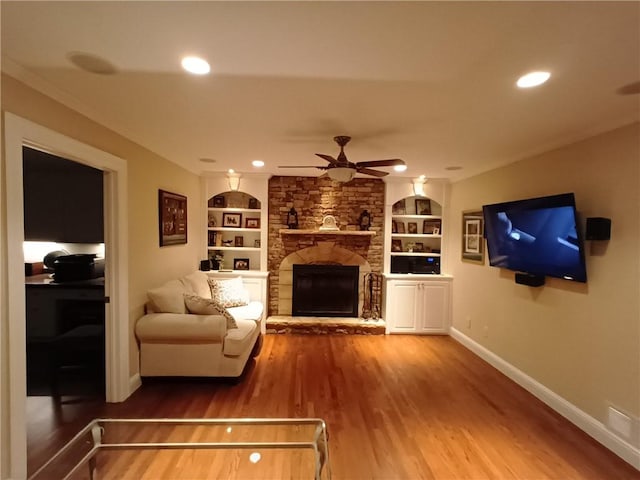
[(361, 233)]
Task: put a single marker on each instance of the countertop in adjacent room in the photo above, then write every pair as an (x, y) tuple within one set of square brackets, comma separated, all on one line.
[(46, 280)]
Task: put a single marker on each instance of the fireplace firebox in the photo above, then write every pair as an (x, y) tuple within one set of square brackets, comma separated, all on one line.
[(325, 290)]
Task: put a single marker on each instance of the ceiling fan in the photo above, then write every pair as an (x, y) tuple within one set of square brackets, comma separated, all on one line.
[(342, 170)]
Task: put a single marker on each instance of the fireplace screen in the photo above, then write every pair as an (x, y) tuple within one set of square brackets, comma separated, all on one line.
[(325, 291)]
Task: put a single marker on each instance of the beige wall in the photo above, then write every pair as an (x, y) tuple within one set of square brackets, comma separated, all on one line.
[(149, 265), (581, 341)]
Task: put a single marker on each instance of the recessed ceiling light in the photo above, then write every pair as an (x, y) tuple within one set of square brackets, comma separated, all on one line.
[(533, 79), (400, 168), (196, 65), (257, 163)]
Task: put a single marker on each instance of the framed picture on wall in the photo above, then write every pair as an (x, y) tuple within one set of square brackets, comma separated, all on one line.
[(473, 236), (172, 218)]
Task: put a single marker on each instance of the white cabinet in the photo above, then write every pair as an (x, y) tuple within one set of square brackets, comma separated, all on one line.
[(417, 305)]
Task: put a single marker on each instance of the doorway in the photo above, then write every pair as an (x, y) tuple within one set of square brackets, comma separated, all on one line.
[(18, 133)]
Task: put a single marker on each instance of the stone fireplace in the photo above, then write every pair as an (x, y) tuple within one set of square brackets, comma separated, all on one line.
[(314, 198)]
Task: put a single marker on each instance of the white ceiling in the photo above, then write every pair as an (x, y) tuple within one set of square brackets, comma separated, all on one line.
[(432, 83)]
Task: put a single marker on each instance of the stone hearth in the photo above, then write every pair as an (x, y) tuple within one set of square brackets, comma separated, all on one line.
[(324, 325)]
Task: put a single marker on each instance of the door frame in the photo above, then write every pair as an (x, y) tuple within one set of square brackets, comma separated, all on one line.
[(19, 132)]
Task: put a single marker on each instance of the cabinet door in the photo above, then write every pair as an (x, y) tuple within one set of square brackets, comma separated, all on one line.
[(434, 317), (402, 312)]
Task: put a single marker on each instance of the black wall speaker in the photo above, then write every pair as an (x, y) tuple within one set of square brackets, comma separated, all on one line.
[(205, 265), (598, 228), (530, 280)]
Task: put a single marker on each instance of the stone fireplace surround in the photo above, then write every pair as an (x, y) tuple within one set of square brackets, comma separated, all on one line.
[(313, 198)]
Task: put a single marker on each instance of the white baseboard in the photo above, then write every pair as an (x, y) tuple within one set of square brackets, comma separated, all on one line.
[(135, 382), (585, 422)]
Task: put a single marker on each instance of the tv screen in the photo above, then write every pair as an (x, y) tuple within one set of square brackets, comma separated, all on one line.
[(538, 236)]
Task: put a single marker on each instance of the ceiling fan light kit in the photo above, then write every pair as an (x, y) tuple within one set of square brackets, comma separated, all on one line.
[(341, 169)]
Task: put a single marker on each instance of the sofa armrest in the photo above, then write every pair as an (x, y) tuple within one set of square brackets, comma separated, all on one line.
[(169, 327)]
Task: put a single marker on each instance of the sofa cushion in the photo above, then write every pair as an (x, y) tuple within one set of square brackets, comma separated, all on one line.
[(168, 298), (252, 311), (207, 306), (229, 292), (197, 282), (240, 339)]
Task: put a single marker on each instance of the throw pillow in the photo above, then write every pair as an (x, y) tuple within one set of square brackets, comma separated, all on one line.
[(197, 283), (229, 292), (168, 298), (206, 306)]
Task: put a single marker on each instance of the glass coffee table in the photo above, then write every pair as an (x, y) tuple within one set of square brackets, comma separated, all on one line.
[(193, 449)]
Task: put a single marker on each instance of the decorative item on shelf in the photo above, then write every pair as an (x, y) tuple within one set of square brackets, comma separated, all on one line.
[(292, 218), (423, 206), (400, 227), (365, 220), (172, 213), (212, 219), (399, 208), (232, 220), (218, 202), (239, 241), (256, 243), (418, 247), (241, 264), (253, 203), (394, 226), (472, 236), (227, 243), (216, 260), (412, 227), (329, 224), (430, 227), (396, 245), (252, 223), (410, 247), (205, 265)]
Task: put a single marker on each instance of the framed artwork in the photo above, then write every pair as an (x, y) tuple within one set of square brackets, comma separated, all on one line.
[(232, 220), (418, 247), (412, 227), (252, 223), (256, 243), (473, 236), (423, 206), (172, 218), (396, 245), (219, 201), (400, 227), (399, 208), (431, 227), (241, 264), (239, 241), (394, 226), (253, 203)]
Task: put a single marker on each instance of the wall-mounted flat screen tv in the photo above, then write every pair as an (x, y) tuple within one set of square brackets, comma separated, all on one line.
[(538, 236)]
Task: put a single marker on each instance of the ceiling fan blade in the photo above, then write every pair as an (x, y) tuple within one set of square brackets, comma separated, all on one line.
[(381, 163), (299, 166), (328, 158), (375, 173)]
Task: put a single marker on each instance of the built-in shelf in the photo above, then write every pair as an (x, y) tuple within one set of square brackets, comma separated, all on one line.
[(416, 235), (361, 233), (247, 249), (231, 229), (415, 254)]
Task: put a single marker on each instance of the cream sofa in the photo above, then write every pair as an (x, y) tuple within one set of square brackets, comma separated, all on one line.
[(175, 342)]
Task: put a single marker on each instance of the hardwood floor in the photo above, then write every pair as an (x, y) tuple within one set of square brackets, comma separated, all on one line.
[(396, 407)]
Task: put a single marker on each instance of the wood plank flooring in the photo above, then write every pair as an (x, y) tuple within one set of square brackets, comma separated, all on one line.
[(396, 407)]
